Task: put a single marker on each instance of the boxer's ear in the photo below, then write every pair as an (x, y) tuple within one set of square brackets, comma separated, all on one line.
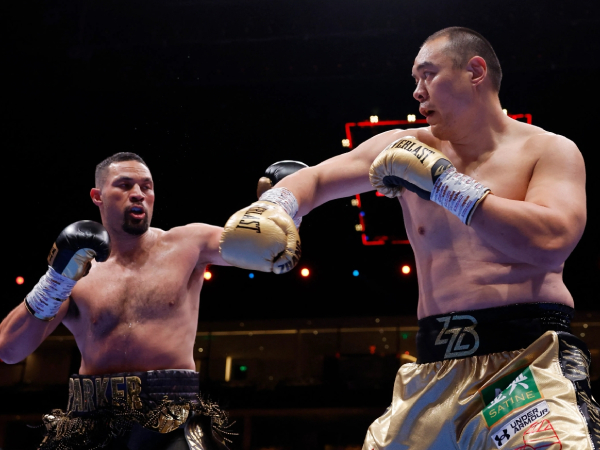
[(477, 67), (96, 197)]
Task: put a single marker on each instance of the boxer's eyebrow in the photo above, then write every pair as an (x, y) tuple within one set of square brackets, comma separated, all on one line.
[(126, 178), (424, 64)]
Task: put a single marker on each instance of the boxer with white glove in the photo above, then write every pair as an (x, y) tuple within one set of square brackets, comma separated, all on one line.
[(69, 260), (408, 163)]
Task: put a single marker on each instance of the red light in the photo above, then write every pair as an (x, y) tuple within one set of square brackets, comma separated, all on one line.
[(407, 352), (372, 349), (20, 280), (207, 275), (305, 272), (405, 269)]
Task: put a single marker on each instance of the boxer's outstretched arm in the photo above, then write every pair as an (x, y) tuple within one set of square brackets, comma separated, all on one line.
[(205, 240), (341, 176), (544, 228), (21, 333)]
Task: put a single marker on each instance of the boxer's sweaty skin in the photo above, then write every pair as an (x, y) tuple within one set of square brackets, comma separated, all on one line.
[(138, 310), (140, 313), (520, 235)]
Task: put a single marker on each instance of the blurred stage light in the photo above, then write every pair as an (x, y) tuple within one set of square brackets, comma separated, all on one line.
[(20, 280), (228, 368), (355, 273), (374, 119), (345, 142), (505, 111), (358, 227), (250, 275), (305, 272), (207, 275), (411, 118), (405, 269), (372, 349)]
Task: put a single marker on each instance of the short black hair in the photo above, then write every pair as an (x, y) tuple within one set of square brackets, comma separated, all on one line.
[(101, 168), (464, 43)]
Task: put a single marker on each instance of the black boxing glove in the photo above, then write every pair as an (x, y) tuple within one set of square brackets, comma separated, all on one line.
[(69, 260), (277, 172)]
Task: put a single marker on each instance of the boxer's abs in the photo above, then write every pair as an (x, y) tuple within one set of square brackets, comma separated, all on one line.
[(447, 285), (457, 270), (142, 346)]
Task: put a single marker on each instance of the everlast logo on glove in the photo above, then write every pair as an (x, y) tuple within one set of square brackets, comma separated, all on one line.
[(420, 151), (250, 222)]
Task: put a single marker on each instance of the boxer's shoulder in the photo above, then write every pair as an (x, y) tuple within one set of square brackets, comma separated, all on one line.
[(193, 232)]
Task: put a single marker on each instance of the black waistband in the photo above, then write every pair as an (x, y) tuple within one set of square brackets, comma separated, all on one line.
[(492, 330), (141, 390)]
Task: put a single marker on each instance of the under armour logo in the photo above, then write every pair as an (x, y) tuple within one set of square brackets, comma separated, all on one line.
[(456, 348), (500, 437)]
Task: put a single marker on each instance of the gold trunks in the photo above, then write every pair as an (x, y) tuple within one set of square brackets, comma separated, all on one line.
[(515, 400)]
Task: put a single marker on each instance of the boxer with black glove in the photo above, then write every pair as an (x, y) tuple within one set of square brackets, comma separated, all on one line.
[(69, 260), (275, 246)]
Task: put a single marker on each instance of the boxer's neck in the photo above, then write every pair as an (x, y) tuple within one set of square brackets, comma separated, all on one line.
[(128, 246), (480, 132)]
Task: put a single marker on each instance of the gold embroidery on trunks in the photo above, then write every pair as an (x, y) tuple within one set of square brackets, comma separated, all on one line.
[(134, 388), (88, 395), (70, 401), (77, 399), (101, 388), (171, 417), (116, 392)]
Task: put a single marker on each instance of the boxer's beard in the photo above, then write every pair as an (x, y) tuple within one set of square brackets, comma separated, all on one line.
[(135, 227)]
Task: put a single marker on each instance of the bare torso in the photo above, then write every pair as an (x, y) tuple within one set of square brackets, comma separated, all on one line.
[(457, 270), (137, 314)]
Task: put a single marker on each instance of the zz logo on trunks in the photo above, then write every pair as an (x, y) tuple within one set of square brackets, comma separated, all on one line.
[(455, 347)]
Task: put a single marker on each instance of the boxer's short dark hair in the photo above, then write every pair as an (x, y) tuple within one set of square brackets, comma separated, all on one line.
[(101, 168), (464, 43)]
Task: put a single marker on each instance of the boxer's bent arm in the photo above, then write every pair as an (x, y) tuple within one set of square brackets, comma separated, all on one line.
[(544, 228), (341, 176), (21, 333)]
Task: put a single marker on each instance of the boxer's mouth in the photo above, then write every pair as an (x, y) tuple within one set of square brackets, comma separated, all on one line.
[(137, 212), (426, 112)]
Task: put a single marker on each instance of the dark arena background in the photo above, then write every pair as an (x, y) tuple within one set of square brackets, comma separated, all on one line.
[(210, 93)]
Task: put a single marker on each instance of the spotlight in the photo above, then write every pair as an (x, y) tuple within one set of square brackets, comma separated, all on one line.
[(405, 269), (305, 272), (207, 275), (20, 280)]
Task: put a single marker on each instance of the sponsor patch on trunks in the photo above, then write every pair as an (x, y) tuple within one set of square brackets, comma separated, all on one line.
[(518, 423), (519, 393), (541, 436)]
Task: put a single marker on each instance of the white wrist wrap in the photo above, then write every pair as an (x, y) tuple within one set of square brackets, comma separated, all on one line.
[(284, 198), (46, 297), (458, 193)]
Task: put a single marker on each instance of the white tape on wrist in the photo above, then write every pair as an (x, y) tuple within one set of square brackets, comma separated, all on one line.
[(48, 294), (284, 198), (458, 193)]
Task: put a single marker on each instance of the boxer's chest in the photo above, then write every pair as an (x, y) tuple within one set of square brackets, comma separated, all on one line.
[(150, 288), (430, 226)]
